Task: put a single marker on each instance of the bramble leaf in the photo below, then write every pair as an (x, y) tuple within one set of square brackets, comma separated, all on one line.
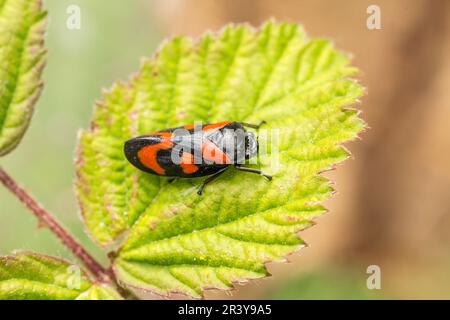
[(22, 58), (29, 276), (177, 241)]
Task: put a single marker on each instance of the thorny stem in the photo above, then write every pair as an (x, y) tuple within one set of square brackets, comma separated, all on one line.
[(47, 220)]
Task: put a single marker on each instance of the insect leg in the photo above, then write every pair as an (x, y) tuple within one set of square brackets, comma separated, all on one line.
[(238, 167), (170, 180), (254, 126), (209, 180)]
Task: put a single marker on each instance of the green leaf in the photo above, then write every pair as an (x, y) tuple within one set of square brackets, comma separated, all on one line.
[(99, 292), (177, 241), (29, 276), (22, 59)]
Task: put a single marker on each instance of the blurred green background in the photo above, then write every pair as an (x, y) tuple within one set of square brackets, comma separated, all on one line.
[(392, 209)]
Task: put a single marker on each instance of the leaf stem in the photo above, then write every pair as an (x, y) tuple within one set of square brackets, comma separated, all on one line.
[(46, 219)]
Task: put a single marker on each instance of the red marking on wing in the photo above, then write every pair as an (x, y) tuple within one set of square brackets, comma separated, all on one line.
[(212, 153), (148, 155), (215, 126), (187, 163), (189, 126)]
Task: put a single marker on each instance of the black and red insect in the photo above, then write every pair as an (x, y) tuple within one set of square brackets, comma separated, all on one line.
[(192, 151)]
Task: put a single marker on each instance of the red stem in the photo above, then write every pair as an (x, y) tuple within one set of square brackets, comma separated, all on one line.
[(46, 219)]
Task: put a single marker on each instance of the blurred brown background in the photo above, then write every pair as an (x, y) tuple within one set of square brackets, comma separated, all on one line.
[(392, 208)]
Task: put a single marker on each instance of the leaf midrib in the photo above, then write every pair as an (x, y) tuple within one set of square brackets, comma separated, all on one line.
[(230, 65), (269, 75)]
